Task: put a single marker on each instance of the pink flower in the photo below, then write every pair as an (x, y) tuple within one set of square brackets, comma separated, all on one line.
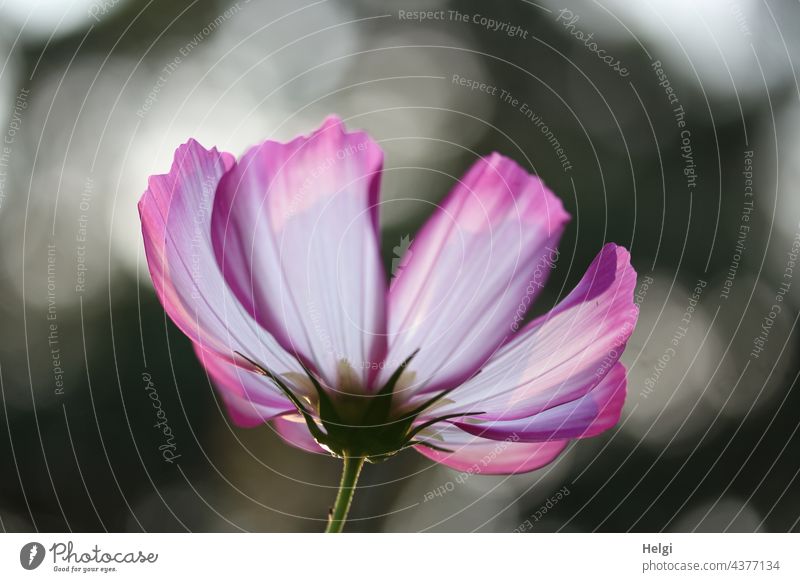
[(271, 265)]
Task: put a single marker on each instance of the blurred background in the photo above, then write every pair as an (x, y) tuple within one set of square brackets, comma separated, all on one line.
[(672, 128)]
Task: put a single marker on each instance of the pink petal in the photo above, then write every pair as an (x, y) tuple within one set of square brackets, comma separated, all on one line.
[(295, 230), (251, 399), (586, 416), (563, 354), (294, 431), (473, 271), (245, 413), (486, 457), (176, 213)]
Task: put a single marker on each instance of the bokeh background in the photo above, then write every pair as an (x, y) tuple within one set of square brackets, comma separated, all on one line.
[(95, 95)]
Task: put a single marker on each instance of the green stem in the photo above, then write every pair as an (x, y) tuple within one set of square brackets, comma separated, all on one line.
[(352, 469)]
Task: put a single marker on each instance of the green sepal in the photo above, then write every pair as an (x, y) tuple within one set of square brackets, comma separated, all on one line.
[(381, 402), (428, 423), (327, 411), (318, 435), (430, 446)]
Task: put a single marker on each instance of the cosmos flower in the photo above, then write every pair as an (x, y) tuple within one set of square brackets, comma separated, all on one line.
[(272, 266)]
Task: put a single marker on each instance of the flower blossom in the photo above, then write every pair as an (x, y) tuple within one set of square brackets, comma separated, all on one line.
[(271, 265)]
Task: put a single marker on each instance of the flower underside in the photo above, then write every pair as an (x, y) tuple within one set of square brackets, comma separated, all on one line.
[(243, 252), (368, 426)]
